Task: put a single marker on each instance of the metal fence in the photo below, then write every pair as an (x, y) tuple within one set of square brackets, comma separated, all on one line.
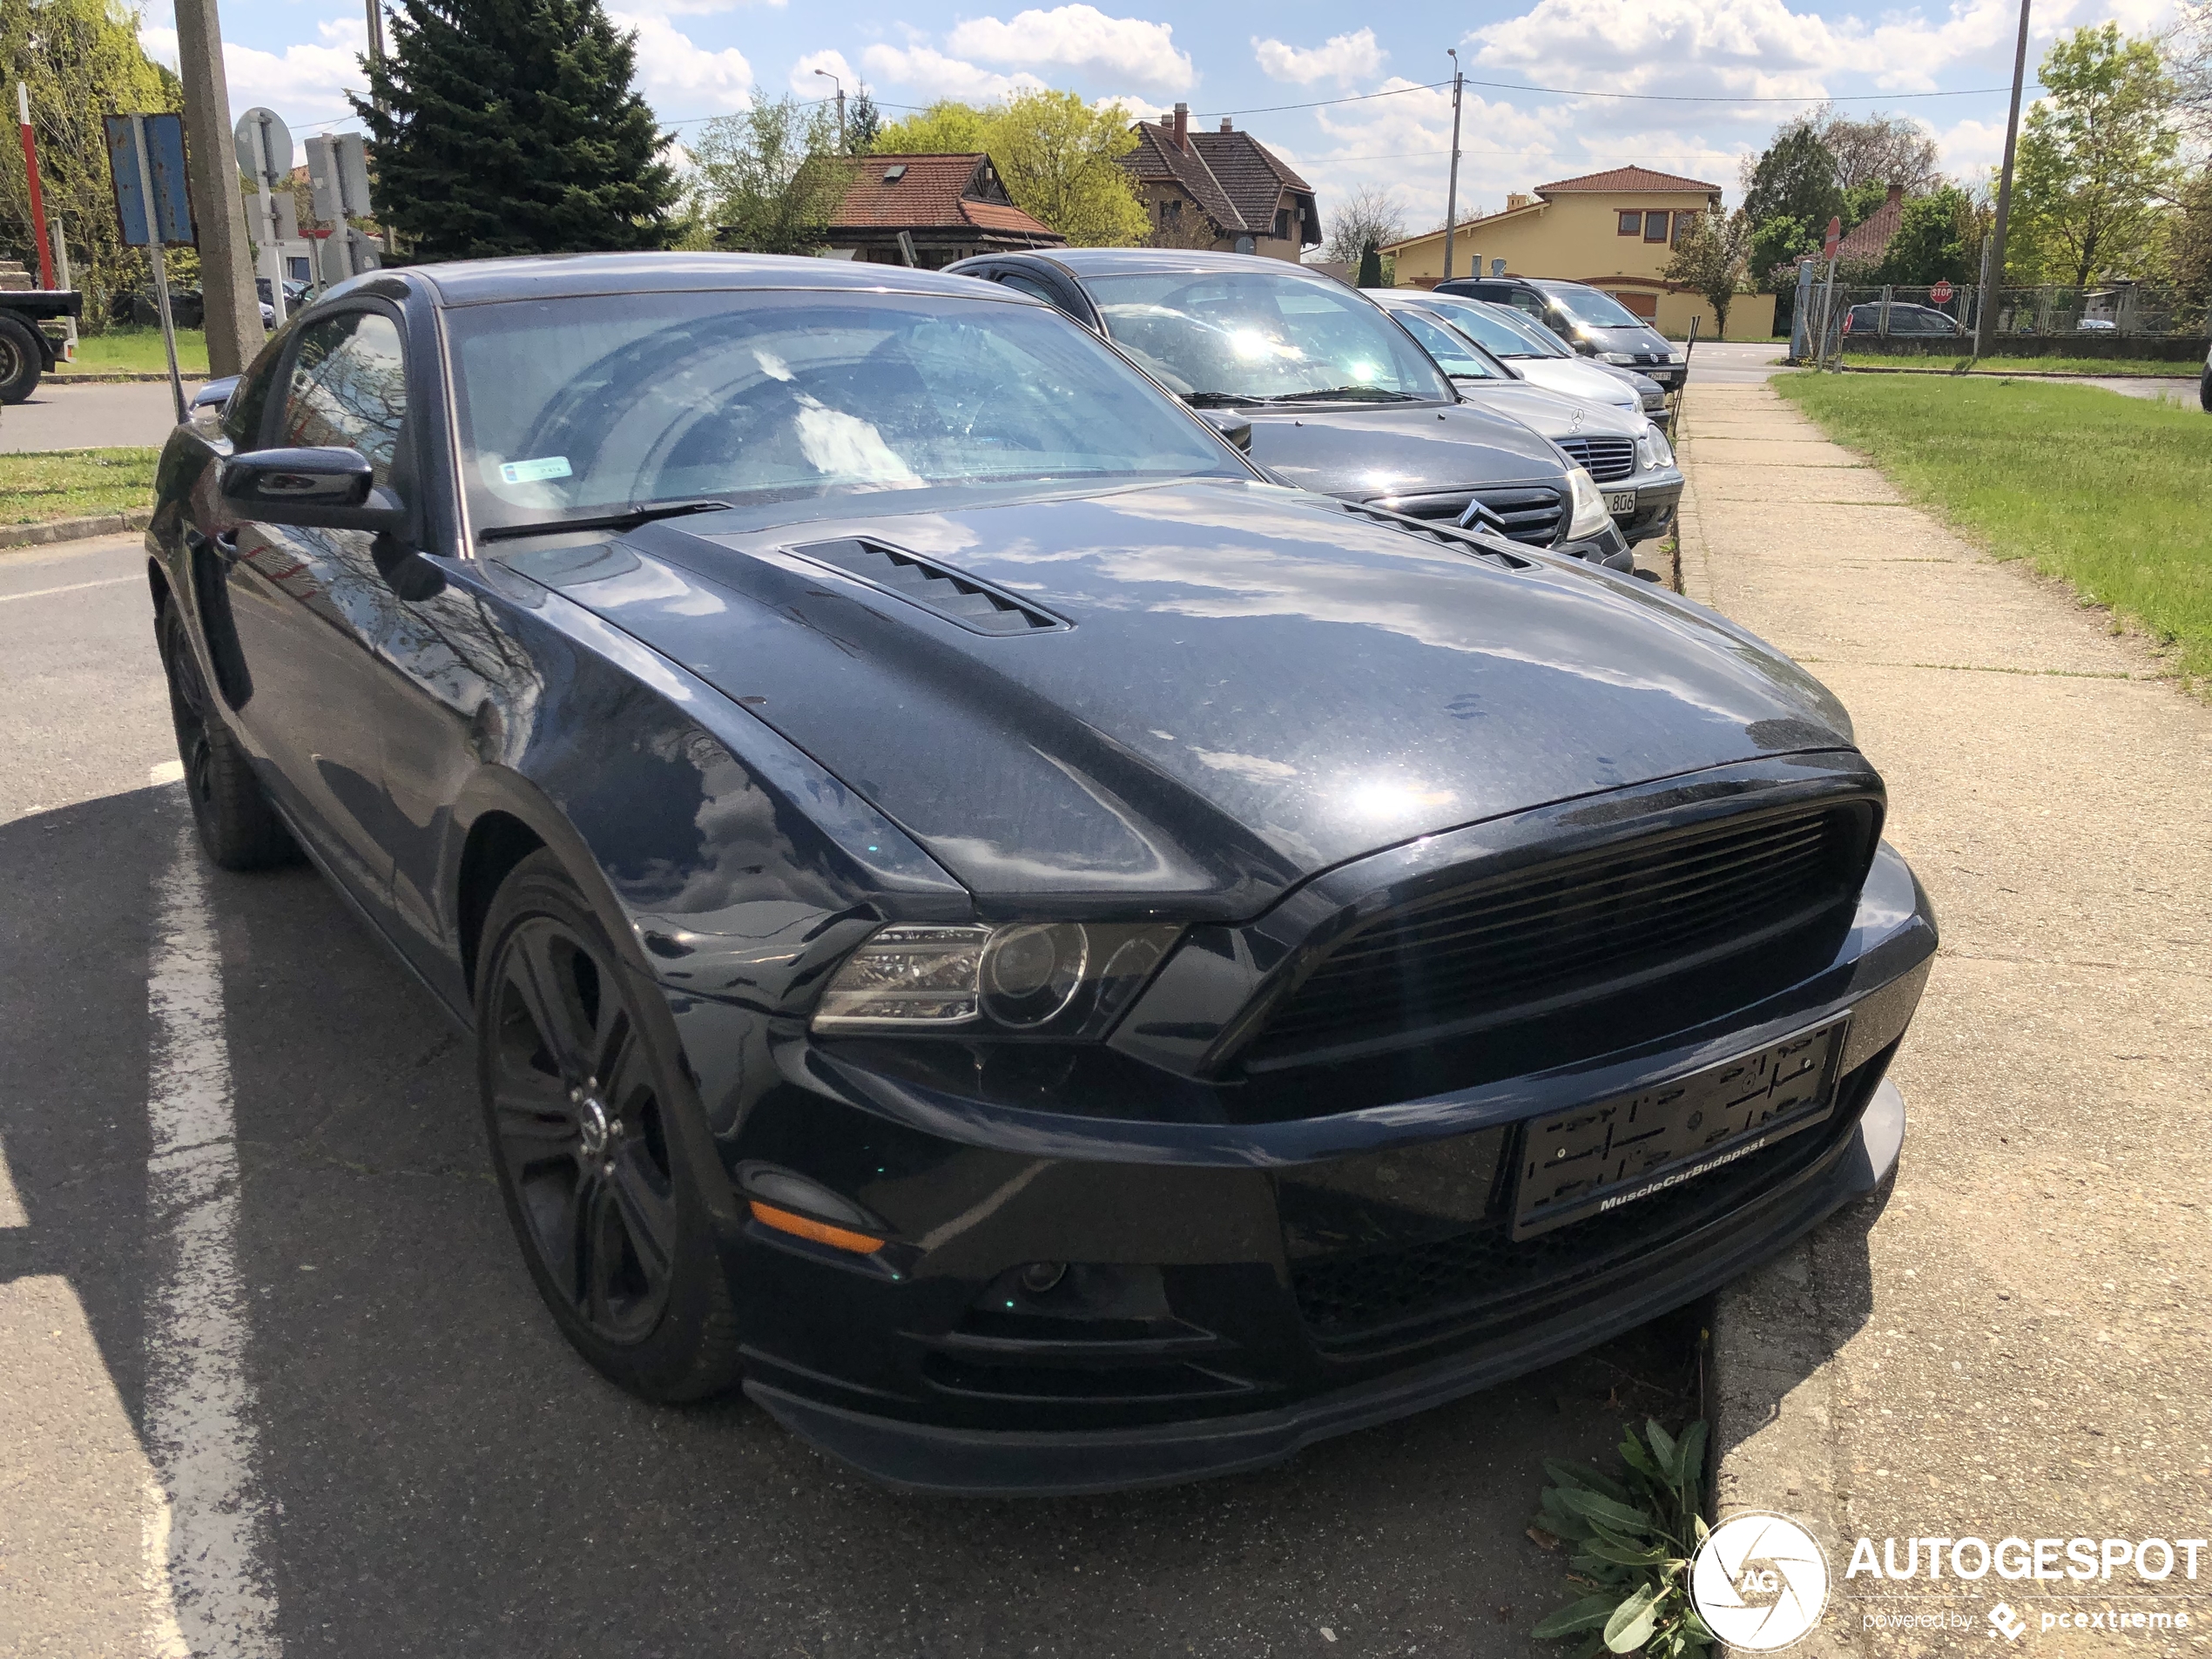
[(1919, 315)]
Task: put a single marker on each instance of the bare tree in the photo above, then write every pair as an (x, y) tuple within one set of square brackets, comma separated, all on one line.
[(1369, 214), (2188, 59), (1879, 149)]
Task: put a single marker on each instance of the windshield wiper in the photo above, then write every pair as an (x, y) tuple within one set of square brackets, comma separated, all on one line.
[(629, 518), (1220, 399), (1347, 394)]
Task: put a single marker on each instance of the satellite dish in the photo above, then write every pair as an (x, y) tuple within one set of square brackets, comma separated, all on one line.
[(254, 127)]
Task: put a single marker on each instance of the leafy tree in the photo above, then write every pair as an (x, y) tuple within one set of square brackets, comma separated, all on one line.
[(1794, 177), (1709, 259), (1058, 156), (511, 126), (1776, 244), (2189, 251), (2096, 156), (771, 180), (81, 60), (862, 125), (1370, 273), (1861, 201), (1939, 239), (1369, 216)]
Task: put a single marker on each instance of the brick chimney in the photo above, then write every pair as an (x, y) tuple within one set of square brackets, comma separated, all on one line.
[(1896, 195), (1226, 127), (1181, 127)]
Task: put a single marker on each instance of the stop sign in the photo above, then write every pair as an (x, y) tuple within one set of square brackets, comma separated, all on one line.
[(1835, 236), (1939, 294)]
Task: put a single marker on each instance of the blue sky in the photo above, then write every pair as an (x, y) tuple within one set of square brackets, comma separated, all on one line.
[(1713, 77)]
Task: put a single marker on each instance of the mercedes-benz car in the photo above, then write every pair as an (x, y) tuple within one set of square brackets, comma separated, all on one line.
[(1628, 455), (1538, 355), (1589, 319), (1052, 961), (1336, 398)]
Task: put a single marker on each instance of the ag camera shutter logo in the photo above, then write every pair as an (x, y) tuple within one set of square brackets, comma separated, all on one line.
[(1759, 1582)]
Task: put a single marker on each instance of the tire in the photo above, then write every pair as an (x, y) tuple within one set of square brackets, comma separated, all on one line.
[(21, 360), (238, 827), (597, 1172)]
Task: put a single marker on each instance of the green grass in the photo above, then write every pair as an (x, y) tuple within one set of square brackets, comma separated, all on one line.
[(2107, 492), (137, 350), (75, 483), (2111, 369)]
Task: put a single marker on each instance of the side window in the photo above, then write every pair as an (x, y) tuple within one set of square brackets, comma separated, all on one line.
[(1684, 223), (1530, 301), (1022, 283), (348, 389), (1654, 227), (242, 415), (1631, 223)]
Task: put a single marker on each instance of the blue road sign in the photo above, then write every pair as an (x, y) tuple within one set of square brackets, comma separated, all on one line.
[(164, 140)]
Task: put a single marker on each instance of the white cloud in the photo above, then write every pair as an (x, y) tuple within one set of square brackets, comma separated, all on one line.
[(308, 84), (682, 79), (806, 83), (932, 74), (1082, 37), (1345, 58), (1131, 106)]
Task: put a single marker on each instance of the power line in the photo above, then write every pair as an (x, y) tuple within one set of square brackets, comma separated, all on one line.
[(1320, 104), (1713, 98)]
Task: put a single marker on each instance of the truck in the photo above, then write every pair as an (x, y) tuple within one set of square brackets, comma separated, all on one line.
[(27, 349)]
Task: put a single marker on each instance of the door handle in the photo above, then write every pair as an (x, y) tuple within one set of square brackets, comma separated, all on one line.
[(224, 543)]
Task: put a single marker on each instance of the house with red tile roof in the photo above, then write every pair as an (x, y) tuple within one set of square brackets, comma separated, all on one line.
[(945, 208), (1222, 190), (1615, 230)]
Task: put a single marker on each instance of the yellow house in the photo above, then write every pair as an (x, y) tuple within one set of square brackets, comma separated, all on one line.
[(1613, 230)]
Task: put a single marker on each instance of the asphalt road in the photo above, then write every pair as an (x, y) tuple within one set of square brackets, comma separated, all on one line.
[(422, 1466), (105, 414)]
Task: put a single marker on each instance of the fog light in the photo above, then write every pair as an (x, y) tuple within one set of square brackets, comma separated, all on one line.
[(1040, 1277)]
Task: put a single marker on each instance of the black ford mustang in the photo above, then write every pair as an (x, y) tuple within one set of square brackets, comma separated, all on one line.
[(1056, 962)]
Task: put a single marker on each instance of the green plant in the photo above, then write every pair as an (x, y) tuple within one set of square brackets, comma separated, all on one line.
[(1634, 1541)]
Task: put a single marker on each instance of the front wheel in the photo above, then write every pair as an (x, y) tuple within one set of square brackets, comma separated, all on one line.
[(602, 1194), (21, 361), (237, 825)]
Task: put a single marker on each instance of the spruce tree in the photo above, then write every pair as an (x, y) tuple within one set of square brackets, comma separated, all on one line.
[(510, 126)]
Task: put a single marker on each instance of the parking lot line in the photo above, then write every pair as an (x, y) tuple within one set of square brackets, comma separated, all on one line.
[(203, 1543)]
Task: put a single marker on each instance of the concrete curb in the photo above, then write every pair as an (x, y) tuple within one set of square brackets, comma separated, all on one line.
[(117, 376), (73, 530)]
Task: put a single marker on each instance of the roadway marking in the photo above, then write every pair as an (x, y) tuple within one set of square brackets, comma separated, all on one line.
[(11, 1209), (74, 587), (204, 1523), (169, 772)]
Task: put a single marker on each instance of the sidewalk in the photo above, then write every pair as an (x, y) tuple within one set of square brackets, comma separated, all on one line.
[(2018, 1347)]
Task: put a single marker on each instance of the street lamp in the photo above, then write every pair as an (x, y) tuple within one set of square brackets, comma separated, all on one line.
[(833, 81)]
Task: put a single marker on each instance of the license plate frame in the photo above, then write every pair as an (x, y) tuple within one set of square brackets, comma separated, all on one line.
[(1599, 1155), (1621, 503)]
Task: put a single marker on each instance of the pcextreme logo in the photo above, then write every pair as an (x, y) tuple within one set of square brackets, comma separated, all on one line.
[(1759, 1582)]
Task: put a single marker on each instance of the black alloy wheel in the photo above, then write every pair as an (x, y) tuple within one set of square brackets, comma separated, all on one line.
[(238, 827), (21, 361), (588, 1156)]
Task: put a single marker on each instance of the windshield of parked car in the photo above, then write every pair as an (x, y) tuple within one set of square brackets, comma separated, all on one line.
[(1592, 308), (570, 407), (1253, 337), (1499, 330), (1454, 352)]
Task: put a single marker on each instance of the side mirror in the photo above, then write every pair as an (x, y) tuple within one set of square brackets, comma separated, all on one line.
[(214, 395), (1232, 426), (329, 489)]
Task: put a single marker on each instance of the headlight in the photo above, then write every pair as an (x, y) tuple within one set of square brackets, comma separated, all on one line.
[(1063, 979), (1653, 449), (1620, 357), (1677, 356), (1590, 516)]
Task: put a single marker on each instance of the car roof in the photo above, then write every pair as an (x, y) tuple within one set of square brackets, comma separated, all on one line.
[(1173, 261), (465, 282)]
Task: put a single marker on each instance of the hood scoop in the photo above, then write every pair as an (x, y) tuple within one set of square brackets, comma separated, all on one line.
[(953, 595)]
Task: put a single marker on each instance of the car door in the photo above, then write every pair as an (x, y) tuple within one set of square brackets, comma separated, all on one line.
[(304, 605)]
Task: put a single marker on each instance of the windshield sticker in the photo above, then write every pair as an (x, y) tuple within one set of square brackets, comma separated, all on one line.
[(530, 472)]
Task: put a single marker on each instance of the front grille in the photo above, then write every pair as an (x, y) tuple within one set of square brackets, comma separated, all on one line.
[(1605, 459), (1540, 938)]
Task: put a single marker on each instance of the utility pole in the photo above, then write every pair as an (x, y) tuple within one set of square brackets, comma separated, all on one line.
[(1986, 323), (1452, 189), (833, 81), (233, 319)]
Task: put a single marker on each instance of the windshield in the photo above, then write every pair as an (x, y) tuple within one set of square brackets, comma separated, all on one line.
[(1251, 337), (1499, 329), (1592, 308), (1454, 355), (569, 406)]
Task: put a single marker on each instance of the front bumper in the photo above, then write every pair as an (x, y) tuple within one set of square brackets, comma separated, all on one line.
[(1608, 546), (1658, 495), (1197, 1327)]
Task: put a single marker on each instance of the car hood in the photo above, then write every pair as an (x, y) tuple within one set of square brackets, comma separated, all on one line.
[(1572, 377), (1643, 342), (1237, 685), (1551, 414), (1366, 452)]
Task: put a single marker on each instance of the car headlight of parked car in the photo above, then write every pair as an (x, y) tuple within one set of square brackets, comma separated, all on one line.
[(1590, 517), (1677, 356), (1653, 450), (1621, 357), (1061, 979)]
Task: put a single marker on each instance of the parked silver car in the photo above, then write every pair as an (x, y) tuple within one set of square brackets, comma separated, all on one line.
[(1628, 455), (1537, 354)]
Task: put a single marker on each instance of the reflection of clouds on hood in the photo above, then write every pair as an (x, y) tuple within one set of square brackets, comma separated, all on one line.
[(1256, 768)]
